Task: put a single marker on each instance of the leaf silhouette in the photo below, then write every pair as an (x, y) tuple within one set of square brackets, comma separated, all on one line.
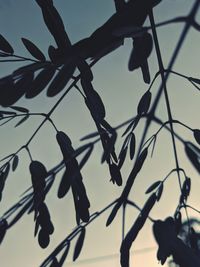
[(64, 184), (153, 186), (115, 174), (16, 90), (132, 146), (145, 72), (196, 133), (134, 230), (193, 154), (15, 162), (195, 80), (30, 68), (54, 24), (22, 120), (142, 47), (144, 103), (95, 105), (86, 156), (79, 244), (33, 49), (65, 145), (5, 46), (64, 255), (113, 213), (61, 79), (38, 175), (40, 82), (43, 238), (85, 70), (159, 191), (20, 109), (140, 161), (3, 228), (122, 156)]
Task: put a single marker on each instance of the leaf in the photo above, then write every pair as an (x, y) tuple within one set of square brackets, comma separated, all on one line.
[(33, 49), (132, 146), (5, 46), (122, 156), (79, 244), (153, 186), (30, 68), (85, 70), (115, 174), (64, 184), (64, 255), (65, 145), (134, 230), (196, 133), (186, 188), (195, 80), (159, 191), (40, 82), (113, 213), (95, 105), (15, 163), (61, 79), (22, 120), (140, 161), (86, 157), (193, 154), (178, 221), (108, 146), (54, 24), (145, 72), (43, 238), (144, 103), (142, 47), (18, 89), (20, 109), (3, 229)]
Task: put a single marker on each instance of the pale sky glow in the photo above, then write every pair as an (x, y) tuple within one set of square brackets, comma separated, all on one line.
[(120, 91)]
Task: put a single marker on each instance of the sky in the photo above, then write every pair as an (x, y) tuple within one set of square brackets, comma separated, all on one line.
[(120, 91)]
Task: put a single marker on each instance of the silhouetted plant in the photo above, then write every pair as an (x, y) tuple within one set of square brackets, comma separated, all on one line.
[(54, 74)]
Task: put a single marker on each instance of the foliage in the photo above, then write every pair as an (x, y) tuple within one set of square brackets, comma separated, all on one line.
[(54, 74)]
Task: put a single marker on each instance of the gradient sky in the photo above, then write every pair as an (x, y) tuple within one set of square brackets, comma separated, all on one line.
[(120, 90)]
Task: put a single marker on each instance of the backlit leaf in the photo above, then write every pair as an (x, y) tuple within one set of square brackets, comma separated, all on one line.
[(144, 103), (22, 120), (196, 133), (43, 238), (61, 79), (132, 146), (152, 187), (193, 154), (5, 46), (142, 47), (115, 174), (15, 162), (64, 184), (159, 191), (3, 229), (20, 109), (134, 230), (33, 49), (79, 244), (113, 213), (40, 82)]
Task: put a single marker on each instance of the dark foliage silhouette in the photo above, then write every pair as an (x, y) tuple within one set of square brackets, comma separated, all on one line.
[(53, 75)]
